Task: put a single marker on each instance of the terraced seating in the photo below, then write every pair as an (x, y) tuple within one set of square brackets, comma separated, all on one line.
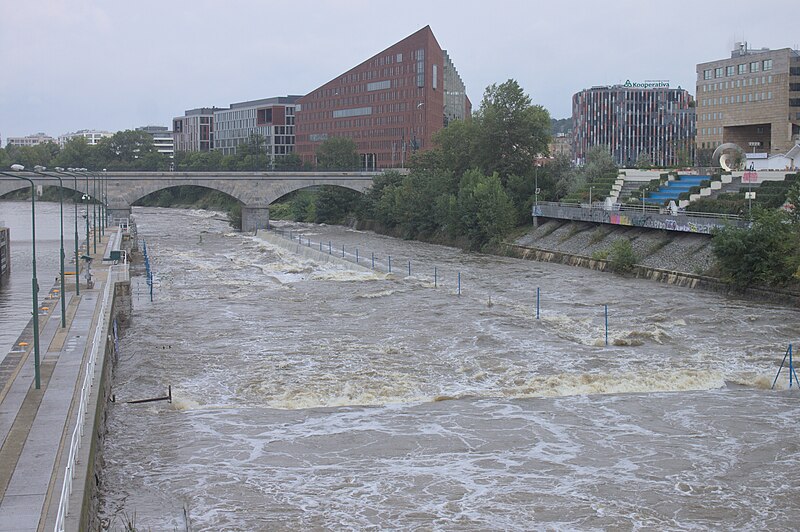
[(671, 190)]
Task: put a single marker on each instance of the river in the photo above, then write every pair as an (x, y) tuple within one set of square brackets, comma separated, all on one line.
[(309, 396), (15, 295)]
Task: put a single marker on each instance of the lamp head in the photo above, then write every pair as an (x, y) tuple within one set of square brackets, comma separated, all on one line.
[(39, 168), (17, 167), (59, 169)]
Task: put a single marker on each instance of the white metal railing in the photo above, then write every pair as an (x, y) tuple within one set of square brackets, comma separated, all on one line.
[(86, 391)]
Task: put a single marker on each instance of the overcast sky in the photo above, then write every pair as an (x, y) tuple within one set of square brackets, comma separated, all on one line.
[(119, 64)]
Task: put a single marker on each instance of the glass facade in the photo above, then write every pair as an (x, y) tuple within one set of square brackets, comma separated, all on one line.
[(656, 124)]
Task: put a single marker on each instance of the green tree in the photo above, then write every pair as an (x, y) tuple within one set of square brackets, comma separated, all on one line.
[(76, 153), (337, 153), (767, 253), (333, 205), (485, 212), (121, 150), (511, 131)]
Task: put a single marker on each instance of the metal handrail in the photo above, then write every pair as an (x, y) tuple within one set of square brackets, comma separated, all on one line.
[(83, 404), (638, 208)]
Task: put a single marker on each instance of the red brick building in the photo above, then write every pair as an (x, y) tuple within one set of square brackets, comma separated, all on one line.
[(390, 105)]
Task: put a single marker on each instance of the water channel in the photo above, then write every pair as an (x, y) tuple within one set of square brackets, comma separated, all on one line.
[(309, 396)]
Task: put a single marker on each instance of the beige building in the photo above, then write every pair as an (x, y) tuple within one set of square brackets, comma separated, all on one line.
[(751, 99)]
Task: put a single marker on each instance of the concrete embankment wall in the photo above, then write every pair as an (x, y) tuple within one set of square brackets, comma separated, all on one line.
[(84, 502), (676, 258), (5, 254), (306, 251)]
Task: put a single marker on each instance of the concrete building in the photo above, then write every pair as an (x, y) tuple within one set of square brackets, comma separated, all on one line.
[(92, 136), (30, 140), (390, 105), (162, 139), (194, 131), (751, 99), (638, 122), (271, 119)]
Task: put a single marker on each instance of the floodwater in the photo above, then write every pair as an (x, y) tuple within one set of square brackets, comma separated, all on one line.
[(312, 396)]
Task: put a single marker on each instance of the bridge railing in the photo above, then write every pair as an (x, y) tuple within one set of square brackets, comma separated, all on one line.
[(646, 216)]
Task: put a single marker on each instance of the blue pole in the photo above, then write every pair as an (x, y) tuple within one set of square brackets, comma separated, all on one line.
[(435, 280), (320, 246), (606, 311), (330, 248), (373, 260), (356, 255), (390, 264), (780, 368), (537, 303), (459, 283), (791, 367), (409, 268), (342, 250)]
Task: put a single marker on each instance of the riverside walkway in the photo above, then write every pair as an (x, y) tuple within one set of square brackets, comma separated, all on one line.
[(37, 426)]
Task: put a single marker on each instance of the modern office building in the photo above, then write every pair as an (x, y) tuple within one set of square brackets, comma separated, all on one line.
[(638, 122), (30, 140), (269, 122), (390, 105), (194, 131), (92, 136), (751, 99), (163, 140)]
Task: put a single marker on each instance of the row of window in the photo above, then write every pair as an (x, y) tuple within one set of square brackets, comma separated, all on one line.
[(743, 68), (739, 83), (712, 116), (349, 101), (739, 98)]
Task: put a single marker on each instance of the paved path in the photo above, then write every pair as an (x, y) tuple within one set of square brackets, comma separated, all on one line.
[(36, 425)]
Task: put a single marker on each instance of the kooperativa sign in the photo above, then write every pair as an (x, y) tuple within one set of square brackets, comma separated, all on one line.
[(648, 84)]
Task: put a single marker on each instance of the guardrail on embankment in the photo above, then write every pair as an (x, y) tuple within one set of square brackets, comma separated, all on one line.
[(78, 487), (648, 217)]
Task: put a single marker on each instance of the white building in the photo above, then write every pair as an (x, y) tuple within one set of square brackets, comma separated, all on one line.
[(92, 136), (162, 139), (30, 140)]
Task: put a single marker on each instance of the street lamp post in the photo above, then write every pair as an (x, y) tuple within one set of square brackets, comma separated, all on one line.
[(75, 204), (39, 170), (34, 281), (94, 211)]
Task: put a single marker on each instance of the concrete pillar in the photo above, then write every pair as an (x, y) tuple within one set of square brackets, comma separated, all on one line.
[(254, 218)]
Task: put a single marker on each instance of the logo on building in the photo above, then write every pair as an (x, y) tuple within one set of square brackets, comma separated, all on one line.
[(648, 84)]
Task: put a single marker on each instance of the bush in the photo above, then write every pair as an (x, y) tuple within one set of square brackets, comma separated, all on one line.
[(622, 257)]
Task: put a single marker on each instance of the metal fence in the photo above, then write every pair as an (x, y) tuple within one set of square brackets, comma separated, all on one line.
[(646, 216), (119, 272)]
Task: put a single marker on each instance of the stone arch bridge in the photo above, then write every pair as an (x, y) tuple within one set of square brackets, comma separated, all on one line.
[(256, 190)]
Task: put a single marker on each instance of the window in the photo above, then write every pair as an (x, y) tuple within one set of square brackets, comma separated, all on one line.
[(743, 69), (707, 74), (718, 72), (794, 87), (794, 102), (379, 85), (754, 66), (345, 113), (435, 77), (767, 64), (729, 71)]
